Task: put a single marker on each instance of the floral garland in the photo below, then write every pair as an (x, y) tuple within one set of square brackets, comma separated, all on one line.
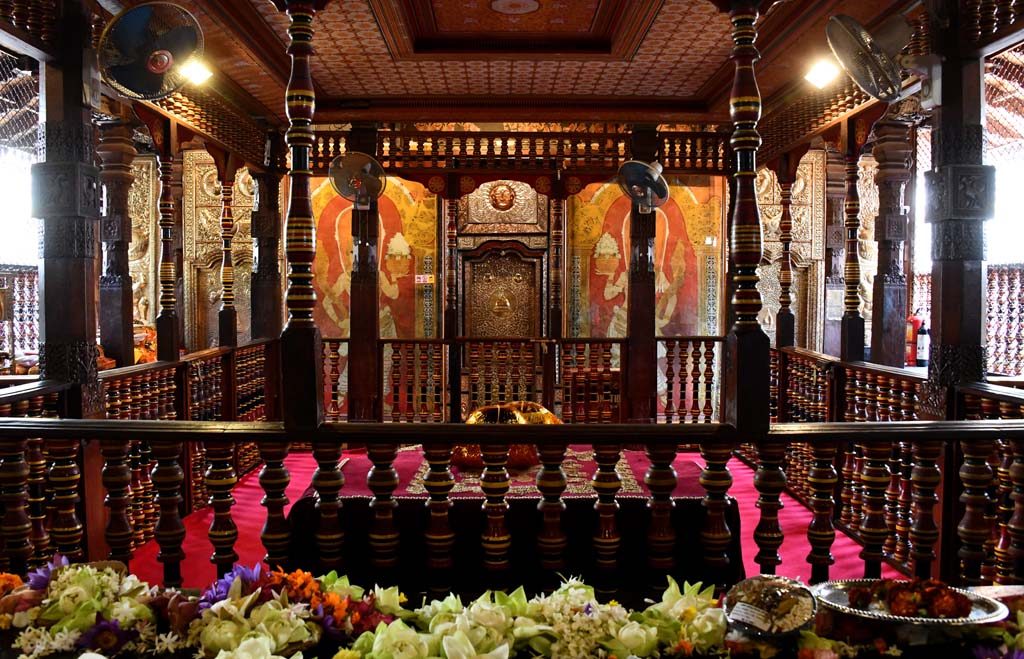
[(99, 611)]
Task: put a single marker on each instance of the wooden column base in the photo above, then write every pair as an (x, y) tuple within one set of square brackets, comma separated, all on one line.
[(116, 334), (833, 326), (168, 337), (889, 335), (747, 360), (852, 338), (302, 377), (227, 324), (785, 328)]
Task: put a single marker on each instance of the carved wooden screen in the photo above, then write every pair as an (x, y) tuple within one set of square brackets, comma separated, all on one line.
[(143, 251), (502, 292), (203, 250)]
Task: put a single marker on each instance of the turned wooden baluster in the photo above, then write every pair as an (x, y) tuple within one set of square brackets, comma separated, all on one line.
[(925, 478), (439, 537), (63, 479), (423, 382), (607, 540), (661, 534), (475, 395), (821, 533), (857, 488), (892, 499), (408, 408), (382, 481), (904, 504), (334, 378), (15, 526), (715, 534), (976, 475), (168, 478), (328, 481), (138, 515), (709, 380), (37, 502), (770, 481), (850, 396), (396, 382), (496, 539), (695, 383), (437, 367), (1015, 525), (551, 482), (1002, 549), (117, 480), (220, 481), (873, 529), (274, 479), (670, 380), (846, 493)]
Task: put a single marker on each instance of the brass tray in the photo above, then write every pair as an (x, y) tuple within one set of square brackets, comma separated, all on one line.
[(834, 595)]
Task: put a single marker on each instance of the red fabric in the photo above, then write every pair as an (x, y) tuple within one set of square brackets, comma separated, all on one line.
[(249, 516)]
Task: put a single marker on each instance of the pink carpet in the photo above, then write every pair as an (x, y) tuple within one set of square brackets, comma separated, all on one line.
[(249, 516)]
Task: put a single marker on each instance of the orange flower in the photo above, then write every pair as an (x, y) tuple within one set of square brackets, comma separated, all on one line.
[(684, 647), (300, 585), (8, 582), (333, 603)]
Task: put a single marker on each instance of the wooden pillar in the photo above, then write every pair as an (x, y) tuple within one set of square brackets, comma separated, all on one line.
[(266, 302), (746, 371), (364, 365), (852, 328), (785, 170), (641, 345), (888, 313), (227, 316), (117, 151), (556, 316), (961, 196), (835, 197), (301, 349), (450, 327), (66, 195)]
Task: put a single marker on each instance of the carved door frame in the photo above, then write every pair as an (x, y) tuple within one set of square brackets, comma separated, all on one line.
[(537, 256)]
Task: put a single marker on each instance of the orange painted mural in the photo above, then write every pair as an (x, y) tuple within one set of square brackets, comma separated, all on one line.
[(408, 246)]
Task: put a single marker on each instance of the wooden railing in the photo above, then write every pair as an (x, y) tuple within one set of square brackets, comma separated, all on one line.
[(689, 372), (966, 550), (589, 382), (19, 293), (500, 370), (414, 383), (438, 151)]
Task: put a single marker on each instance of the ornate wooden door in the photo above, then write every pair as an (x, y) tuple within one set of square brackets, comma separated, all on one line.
[(502, 292)]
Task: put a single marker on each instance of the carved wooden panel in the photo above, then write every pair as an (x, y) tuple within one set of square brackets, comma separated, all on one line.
[(201, 209), (808, 248), (502, 293), (144, 250), (867, 248)]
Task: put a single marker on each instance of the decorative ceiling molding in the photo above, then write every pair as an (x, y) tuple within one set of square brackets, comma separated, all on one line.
[(439, 30)]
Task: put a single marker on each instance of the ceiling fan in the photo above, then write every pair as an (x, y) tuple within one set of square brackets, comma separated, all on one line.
[(357, 177), (874, 62), (643, 183), (145, 52)]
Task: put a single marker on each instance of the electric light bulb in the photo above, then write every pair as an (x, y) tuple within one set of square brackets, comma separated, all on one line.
[(822, 73), (196, 72)]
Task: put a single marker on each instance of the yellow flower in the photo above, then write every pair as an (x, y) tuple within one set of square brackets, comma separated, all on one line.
[(5, 620), (402, 599), (613, 603), (689, 613), (347, 654)]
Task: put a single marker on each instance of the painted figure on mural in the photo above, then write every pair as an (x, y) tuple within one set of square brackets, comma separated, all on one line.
[(332, 266), (396, 278), (609, 274)]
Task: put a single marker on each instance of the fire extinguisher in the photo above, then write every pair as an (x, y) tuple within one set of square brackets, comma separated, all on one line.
[(914, 322)]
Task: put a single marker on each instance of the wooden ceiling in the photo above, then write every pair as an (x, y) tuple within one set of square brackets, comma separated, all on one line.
[(514, 60)]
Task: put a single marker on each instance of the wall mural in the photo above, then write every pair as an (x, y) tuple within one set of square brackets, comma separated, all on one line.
[(408, 248), (688, 234), (807, 250), (203, 249), (144, 250)]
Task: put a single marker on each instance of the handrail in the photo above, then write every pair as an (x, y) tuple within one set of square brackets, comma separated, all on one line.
[(218, 431), (993, 391), (887, 370), (32, 389), (135, 369)]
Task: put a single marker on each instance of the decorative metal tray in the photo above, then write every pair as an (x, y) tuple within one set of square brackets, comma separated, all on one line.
[(834, 595)]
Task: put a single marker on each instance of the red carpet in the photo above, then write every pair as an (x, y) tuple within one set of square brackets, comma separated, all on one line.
[(249, 516)]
